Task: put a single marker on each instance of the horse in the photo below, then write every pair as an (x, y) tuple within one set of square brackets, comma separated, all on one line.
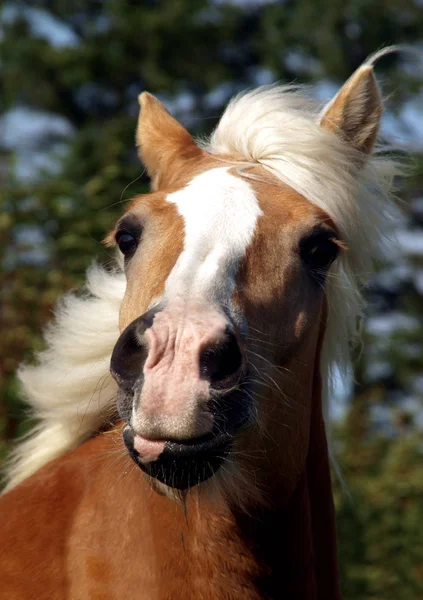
[(181, 448)]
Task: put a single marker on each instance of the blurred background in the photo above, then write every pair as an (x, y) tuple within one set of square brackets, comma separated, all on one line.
[(70, 73)]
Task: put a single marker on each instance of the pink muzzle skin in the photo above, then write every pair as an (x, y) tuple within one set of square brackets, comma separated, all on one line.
[(148, 450), (174, 396), (182, 393)]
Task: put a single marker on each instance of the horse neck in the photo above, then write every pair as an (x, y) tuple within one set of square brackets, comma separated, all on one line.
[(294, 533), (206, 549), (309, 549), (287, 546), (283, 548)]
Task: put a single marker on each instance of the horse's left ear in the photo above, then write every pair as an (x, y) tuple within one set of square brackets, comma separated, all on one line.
[(162, 141), (355, 112)]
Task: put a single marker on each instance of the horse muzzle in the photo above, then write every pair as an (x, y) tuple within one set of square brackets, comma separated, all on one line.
[(179, 465), (182, 380)]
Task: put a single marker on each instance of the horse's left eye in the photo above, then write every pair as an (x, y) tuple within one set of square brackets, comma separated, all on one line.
[(127, 243), (318, 253)]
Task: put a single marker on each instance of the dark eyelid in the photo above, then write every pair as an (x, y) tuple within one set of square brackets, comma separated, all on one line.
[(129, 224), (319, 236)]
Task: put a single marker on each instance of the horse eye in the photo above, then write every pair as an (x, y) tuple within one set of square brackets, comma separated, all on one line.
[(127, 242), (318, 253)]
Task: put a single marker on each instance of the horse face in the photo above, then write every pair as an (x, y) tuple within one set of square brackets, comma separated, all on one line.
[(224, 278), (222, 317)]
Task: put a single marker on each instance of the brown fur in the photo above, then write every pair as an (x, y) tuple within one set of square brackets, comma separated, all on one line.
[(165, 147), (356, 111), (89, 526)]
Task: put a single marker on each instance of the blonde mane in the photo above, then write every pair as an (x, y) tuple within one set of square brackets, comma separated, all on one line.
[(278, 128), (70, 391)]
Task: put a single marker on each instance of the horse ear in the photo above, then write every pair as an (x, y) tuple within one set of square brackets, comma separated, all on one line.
[(161, 140), (355, 112)]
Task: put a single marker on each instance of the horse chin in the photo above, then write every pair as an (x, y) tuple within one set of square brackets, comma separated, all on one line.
[(182, 466)]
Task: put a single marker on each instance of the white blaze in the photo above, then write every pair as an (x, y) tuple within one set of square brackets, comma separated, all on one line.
[(220, 213)]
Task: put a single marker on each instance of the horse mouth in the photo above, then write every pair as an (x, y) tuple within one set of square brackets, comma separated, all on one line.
[(180, 465)]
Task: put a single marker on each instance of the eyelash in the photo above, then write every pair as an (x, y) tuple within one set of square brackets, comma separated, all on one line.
[(318, 252)]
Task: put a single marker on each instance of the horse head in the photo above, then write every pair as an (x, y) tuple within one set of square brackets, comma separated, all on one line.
[(227, 262)]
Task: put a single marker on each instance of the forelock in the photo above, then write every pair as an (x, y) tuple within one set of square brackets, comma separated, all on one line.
[(278, 128)]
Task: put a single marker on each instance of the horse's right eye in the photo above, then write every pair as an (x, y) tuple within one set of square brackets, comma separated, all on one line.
[(127, 242)]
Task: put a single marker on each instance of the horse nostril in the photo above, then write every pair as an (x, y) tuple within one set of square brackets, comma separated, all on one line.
[(130, 353), (221, 362)]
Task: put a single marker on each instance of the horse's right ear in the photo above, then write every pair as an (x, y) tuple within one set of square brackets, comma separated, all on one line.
[(162, 141)]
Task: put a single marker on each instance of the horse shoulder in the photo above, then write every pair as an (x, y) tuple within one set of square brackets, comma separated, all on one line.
[(38, 518)]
